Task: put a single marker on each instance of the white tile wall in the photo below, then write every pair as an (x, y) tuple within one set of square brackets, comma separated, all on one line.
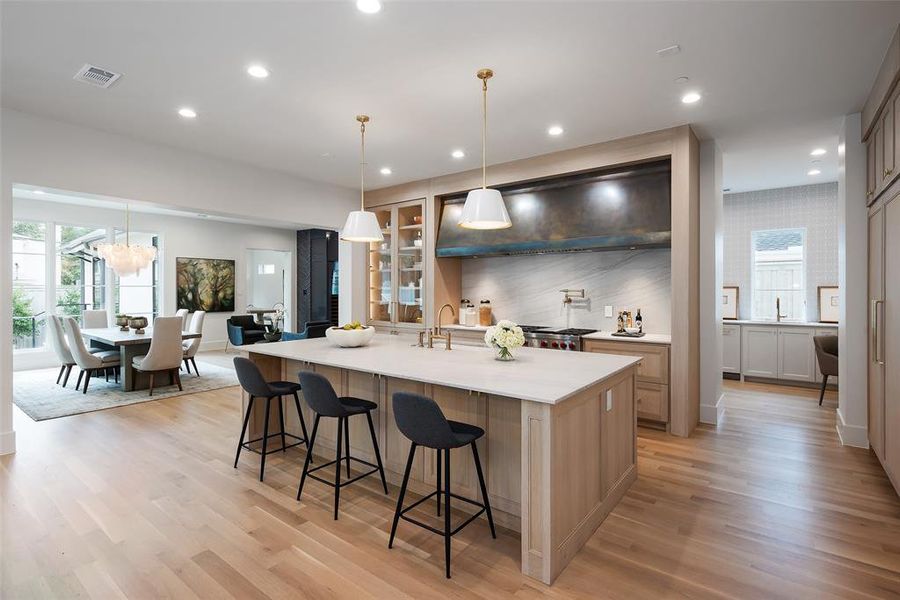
[(811, 206), (526, 288)]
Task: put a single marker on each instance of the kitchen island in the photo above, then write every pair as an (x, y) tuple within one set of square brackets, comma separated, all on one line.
[(560, 444)]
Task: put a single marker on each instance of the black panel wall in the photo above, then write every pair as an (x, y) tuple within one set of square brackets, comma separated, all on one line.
[(317, 253)]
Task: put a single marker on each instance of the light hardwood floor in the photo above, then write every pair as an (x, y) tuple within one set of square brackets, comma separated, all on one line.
[(142, 502)]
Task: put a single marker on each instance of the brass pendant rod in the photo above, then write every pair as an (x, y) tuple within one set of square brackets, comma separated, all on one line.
[(362, 165), (484, 133)]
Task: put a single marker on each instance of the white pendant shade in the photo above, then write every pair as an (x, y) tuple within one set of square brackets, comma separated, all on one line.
[(362, 226), (484, 209), (125, 259)]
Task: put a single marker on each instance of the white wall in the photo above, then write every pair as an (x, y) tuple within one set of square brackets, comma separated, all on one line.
[(44, 152), (814, 207), (853, 271), (179, 237), (711, 274), (525, 289)]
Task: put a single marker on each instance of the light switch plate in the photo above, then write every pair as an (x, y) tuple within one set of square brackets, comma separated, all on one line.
[(608, 400), (607, 311)]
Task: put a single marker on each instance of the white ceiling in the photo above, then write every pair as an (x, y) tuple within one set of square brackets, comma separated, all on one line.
[(775, 78)]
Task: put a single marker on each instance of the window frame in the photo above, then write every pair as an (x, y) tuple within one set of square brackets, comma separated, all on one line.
[(797, 318)]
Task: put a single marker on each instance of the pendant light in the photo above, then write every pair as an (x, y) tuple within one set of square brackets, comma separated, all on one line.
[(484, 208), (361, 225), (126, 259)]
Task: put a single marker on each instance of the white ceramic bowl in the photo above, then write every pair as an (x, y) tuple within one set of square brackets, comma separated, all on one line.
[(632, 329), (350, 338)]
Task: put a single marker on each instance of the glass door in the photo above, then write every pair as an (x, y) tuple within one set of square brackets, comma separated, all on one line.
[(410, 272), (381, 291)]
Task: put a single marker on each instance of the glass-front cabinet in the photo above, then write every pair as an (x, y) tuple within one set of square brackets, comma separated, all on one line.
[(396, 265)]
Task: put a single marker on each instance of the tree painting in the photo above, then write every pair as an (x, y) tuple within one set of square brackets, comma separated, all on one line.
[(205, 284)]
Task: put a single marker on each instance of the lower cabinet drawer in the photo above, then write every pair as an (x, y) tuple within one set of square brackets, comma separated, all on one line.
[(652, 401)]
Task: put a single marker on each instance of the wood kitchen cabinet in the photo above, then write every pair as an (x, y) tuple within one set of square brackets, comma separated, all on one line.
[(881, 149), (731, 348), (652, 381), (887, 337), (876, 345)]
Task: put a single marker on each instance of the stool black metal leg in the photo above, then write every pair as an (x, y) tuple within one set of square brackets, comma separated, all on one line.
[(484, 494), (438, 482), (265, 441), (347, 443), (302, 422), (337, 467), (377, 451), (243, 432), (409, 462), (309, 453), (281, 418), (447, 511)]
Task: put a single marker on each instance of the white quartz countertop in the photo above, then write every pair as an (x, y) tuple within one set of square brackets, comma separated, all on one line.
[(537, 375), (648, 338), (779, 324)]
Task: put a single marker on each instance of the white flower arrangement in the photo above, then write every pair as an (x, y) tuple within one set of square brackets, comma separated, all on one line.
[(504, 336)]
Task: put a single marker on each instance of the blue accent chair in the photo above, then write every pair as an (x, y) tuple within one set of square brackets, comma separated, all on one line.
[(314, 329), (243, 330)]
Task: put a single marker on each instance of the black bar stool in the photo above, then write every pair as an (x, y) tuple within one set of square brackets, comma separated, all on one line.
[(421, 420), (257, 387), (323, 400)]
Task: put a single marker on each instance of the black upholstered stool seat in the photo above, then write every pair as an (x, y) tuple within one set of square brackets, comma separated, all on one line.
[(323, 400), (258, 388), (421, 420)]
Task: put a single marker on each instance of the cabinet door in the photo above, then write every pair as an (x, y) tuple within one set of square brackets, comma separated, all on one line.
[(870, 169), (731, 348), (760, 351), (652, 401), (878, 134), (889, 144), (381, 279), (876, 369), (796, 354), (409, 260), (889, 338)]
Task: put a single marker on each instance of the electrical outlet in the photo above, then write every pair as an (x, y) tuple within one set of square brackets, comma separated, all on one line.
[(607, 311), (608, 400)]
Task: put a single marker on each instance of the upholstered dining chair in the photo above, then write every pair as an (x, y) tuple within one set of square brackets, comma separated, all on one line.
[(166, 351), (89, 362), (183, 313), (95, 319), (60, 348), (827, 356), (192, 345)]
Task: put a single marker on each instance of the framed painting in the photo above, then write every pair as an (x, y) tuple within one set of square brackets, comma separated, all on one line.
[(205, 284), (730, 297), (829, 305)]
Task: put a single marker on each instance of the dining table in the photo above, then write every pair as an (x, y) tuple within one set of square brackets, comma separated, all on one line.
[(129, 344)]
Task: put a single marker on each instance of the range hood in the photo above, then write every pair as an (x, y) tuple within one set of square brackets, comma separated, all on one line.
[(613, 209)]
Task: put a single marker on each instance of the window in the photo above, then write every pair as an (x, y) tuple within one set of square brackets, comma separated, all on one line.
[(778, 273), (29, 258), (80, 273), (138, 295), (265, 269)]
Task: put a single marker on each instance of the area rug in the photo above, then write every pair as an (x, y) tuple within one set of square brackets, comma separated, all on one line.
[(36, 392)]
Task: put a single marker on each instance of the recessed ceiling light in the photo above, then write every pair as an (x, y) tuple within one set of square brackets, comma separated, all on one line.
[(187, 113), (258, 71), (669, 50), (39, 192), (386, 171), (814, 172), (457, 154), (682, 79), (690, 98), (818, 152), (369, 7), (555, 130)]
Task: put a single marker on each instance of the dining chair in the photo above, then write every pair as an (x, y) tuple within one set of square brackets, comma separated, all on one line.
[(60, 348), (192, 345), (827, 357), (183, 313), (90, 363), (95, 319), (166, 352)]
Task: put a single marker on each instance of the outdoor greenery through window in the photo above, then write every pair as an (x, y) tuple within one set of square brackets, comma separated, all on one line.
[(29, 258), (778, 274), (80, 273)]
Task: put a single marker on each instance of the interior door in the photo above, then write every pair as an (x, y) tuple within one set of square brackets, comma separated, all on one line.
[(876, 370), (889, 339)]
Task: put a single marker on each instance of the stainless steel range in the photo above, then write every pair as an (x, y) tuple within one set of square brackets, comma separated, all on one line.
[(554, 339)]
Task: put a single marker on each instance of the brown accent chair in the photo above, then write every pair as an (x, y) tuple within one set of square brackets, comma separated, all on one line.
[(827, 356)]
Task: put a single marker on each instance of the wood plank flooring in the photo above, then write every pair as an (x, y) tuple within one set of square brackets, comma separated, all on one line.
[(142, 502)]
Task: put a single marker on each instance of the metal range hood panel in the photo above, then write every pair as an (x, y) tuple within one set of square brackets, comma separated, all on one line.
[(613, 209)]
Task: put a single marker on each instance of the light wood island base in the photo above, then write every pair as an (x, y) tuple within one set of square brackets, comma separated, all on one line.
[(553, 471)]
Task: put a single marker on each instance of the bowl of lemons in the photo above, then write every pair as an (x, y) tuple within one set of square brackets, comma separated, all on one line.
[(351, 335)]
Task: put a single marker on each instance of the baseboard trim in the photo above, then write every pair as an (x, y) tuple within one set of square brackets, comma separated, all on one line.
[(7, 442), (712, 414), (851, 435)]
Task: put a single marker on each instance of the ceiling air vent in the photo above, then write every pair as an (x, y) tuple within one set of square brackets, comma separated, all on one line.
[(96, 76)]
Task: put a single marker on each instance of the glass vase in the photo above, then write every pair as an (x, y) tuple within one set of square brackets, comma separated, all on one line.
[(504, 354)]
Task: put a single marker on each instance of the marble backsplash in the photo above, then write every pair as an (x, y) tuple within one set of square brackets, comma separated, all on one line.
[(526, 288)]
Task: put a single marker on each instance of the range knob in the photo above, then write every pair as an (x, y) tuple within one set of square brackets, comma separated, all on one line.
[(543, 343), (554, 345), (571, 345)]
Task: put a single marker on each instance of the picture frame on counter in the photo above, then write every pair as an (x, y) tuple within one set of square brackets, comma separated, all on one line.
[(730, 299), (829, 303)]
